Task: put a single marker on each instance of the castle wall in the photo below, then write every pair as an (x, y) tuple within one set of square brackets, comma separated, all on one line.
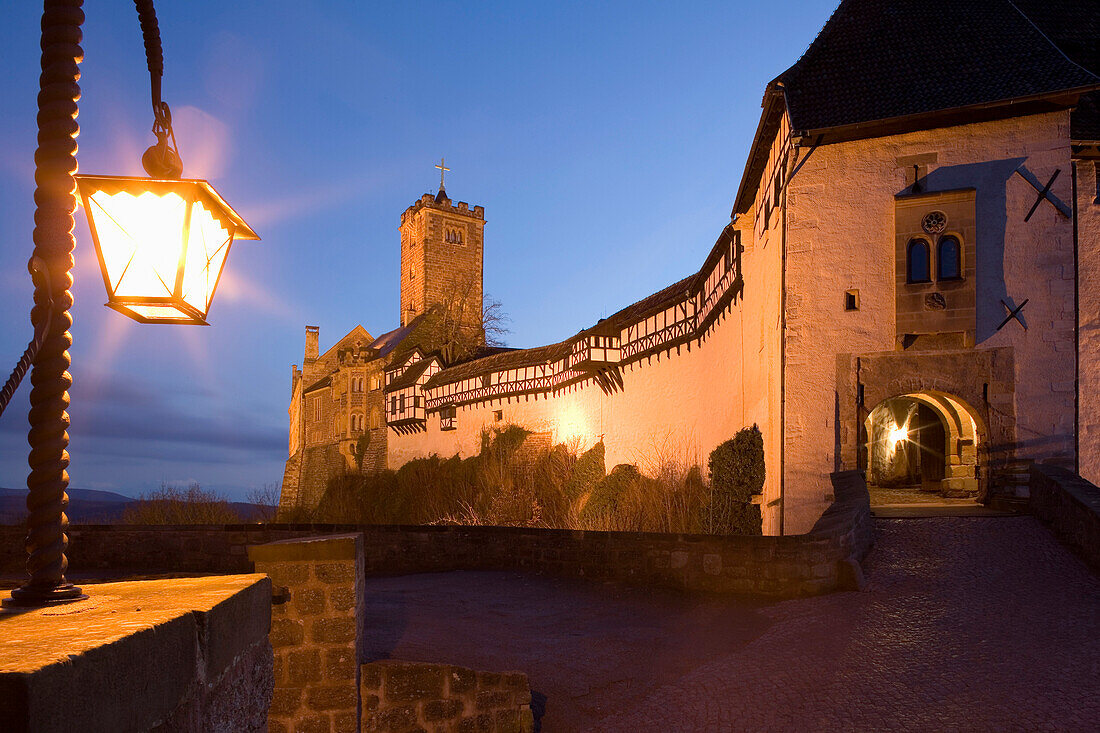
[(1088, 244), (841, 235), (676, 405)]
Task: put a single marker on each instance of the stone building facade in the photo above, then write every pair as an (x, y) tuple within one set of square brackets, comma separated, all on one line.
[(908, 283)]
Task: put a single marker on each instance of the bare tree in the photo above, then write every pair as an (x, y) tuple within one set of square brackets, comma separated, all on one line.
[(461, 330), (174, 505), (266, 500)]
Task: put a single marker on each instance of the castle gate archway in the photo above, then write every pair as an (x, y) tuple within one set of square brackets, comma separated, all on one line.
[(926, 440)]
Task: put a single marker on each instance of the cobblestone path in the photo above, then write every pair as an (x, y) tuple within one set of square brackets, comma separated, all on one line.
[(966, 624)]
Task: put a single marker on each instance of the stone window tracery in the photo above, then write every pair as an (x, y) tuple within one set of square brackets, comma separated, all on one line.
[(934, 222)]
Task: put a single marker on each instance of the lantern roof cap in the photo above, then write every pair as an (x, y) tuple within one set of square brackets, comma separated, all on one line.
[(199, 188)]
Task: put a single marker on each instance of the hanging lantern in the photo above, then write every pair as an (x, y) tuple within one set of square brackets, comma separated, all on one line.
[(161, 244)]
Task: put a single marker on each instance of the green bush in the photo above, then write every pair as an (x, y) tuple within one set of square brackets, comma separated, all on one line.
[(549, 478), (587, 472), (612, 491), (736, 474)]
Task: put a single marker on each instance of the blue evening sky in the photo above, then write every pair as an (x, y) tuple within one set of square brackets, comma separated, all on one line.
[(605, 140)]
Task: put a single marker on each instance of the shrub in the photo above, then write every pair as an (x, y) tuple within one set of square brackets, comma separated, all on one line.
[(550, 476), (611, 492), (736, 474), (587, 472), (173, 505)]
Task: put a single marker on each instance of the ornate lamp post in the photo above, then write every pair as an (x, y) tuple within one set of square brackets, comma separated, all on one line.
[(161, 242)]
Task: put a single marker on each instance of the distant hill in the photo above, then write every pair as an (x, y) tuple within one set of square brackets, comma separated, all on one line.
[(88, 506)]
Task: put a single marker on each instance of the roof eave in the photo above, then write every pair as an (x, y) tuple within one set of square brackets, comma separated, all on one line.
[(746, 191), (968, 114)]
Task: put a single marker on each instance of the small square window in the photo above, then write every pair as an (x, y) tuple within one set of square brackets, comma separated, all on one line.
[(498, 415), (851, 300)]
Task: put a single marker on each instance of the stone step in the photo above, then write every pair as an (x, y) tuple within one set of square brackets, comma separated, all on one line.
[(1015, 504)]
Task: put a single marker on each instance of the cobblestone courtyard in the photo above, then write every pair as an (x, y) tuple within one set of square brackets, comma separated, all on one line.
[(967, 624)]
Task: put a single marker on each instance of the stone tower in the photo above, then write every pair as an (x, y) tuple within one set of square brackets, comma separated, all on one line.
[(441, 260)]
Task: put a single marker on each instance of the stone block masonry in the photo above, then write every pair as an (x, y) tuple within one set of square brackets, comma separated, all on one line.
[(413, 696), (820, 561), (187, 655), (1071, 506), (316, 582)]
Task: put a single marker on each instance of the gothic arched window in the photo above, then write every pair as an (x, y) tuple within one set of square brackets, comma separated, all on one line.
[(917, 266), (948, 258)]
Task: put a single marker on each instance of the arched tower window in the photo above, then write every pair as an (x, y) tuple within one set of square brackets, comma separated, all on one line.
[(917, 266), (375, 418), (948, 266)]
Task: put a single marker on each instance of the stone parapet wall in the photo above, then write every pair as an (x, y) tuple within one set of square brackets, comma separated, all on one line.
[(315, 586), (415, 696), (819, 561), (187, 655), (1070, 505)]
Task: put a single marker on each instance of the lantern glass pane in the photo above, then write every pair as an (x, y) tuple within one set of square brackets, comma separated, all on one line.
[(207, 246), (155, 312), (139, 239)]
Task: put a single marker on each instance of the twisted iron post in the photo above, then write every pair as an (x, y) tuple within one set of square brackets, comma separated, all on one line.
[(55, 197)]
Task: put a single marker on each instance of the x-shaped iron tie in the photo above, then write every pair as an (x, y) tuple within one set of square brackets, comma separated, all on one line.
[(1013, 313)]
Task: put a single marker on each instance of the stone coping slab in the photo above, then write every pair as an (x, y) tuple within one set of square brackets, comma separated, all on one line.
[(126, 657), (328, 547)]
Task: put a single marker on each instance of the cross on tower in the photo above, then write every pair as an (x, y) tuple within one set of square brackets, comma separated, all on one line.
[(442, 169)]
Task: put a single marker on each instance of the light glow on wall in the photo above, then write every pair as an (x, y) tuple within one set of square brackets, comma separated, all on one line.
[(572, 423)]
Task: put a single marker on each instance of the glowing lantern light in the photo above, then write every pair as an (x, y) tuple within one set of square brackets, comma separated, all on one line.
[(161, 244), (898, 435)]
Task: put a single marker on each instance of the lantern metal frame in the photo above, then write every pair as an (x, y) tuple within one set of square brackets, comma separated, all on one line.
[(191, 190)]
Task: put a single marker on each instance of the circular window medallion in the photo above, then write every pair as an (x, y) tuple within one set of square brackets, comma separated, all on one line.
[(934, 222)]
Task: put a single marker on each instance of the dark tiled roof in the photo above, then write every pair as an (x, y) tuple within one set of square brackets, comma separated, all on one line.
[(660, 300), (1074, 26), (498, 362), (546, 354), (320, 383), (387, 342), (881, 59), (410, 375)]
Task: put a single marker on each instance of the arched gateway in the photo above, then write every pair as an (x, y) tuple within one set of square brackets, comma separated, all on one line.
[(929, 440)]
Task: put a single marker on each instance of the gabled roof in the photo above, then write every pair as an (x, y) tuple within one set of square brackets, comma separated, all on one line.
[(881, 59), (389, 341), (409, 376), (357, 332)]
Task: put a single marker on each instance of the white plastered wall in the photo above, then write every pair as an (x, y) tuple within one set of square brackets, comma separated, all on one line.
[(1088, 244), (840, 227)]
